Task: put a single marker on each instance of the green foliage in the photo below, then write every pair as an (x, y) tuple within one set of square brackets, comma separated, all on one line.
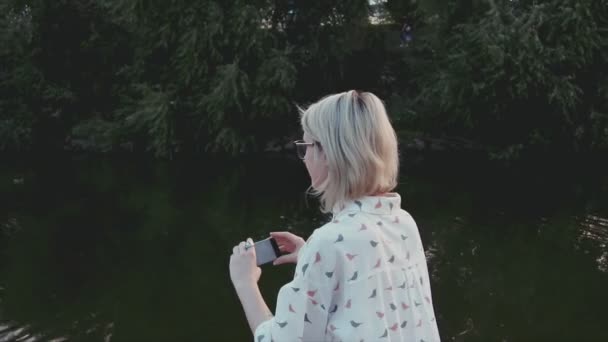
[(523, 76), (152, 118), (16, 75), (227, 74), (14, 135), (95, 135), (224, 76)]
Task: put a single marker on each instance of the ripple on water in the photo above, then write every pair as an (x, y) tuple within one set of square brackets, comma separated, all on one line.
[(14, 332), (593, 232)]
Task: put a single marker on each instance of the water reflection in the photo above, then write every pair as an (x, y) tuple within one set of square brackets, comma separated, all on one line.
[(13, 332), (120, 251), (593, 238)]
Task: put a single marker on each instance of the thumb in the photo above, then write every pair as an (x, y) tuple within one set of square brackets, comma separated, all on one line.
[(284, 259), (250, 249)]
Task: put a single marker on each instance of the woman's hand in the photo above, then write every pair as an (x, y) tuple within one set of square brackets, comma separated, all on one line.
[(243, 268), (288, 243)]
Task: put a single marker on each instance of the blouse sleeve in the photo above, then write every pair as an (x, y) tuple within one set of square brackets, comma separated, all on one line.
[(302, 305)]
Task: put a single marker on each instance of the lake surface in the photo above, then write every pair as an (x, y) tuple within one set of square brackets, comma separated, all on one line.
[(127, 249)]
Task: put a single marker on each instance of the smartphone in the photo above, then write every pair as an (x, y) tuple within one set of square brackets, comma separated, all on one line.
[(266, 251)]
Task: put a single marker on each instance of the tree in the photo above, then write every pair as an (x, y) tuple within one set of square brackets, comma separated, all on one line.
[(523, 77)]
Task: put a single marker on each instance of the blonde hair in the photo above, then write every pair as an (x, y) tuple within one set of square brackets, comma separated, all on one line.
[(359, 143)]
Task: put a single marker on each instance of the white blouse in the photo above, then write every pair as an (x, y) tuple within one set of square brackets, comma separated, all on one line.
[(360, 277)]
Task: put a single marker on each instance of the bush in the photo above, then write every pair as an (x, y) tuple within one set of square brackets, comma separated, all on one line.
[(523, 77)]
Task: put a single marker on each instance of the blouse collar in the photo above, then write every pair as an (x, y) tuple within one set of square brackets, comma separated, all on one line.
[(384, 204)]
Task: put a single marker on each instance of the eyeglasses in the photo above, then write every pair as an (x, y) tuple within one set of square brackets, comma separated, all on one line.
[(302, 147)]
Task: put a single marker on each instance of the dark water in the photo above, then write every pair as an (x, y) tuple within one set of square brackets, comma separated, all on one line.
[(93, 249)]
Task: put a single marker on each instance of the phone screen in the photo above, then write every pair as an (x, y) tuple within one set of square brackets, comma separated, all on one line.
[(266, 251)]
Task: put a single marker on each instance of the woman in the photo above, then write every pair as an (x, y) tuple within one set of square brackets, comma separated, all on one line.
[(363, 275)]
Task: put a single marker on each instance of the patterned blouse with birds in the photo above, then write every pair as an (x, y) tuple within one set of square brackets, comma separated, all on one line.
[(361, 277)]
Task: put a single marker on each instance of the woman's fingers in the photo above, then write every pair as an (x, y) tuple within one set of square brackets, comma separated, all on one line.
[(283, 235), (285, 259), (286, 237), (242, 247), (279, 261), (290, 247)]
